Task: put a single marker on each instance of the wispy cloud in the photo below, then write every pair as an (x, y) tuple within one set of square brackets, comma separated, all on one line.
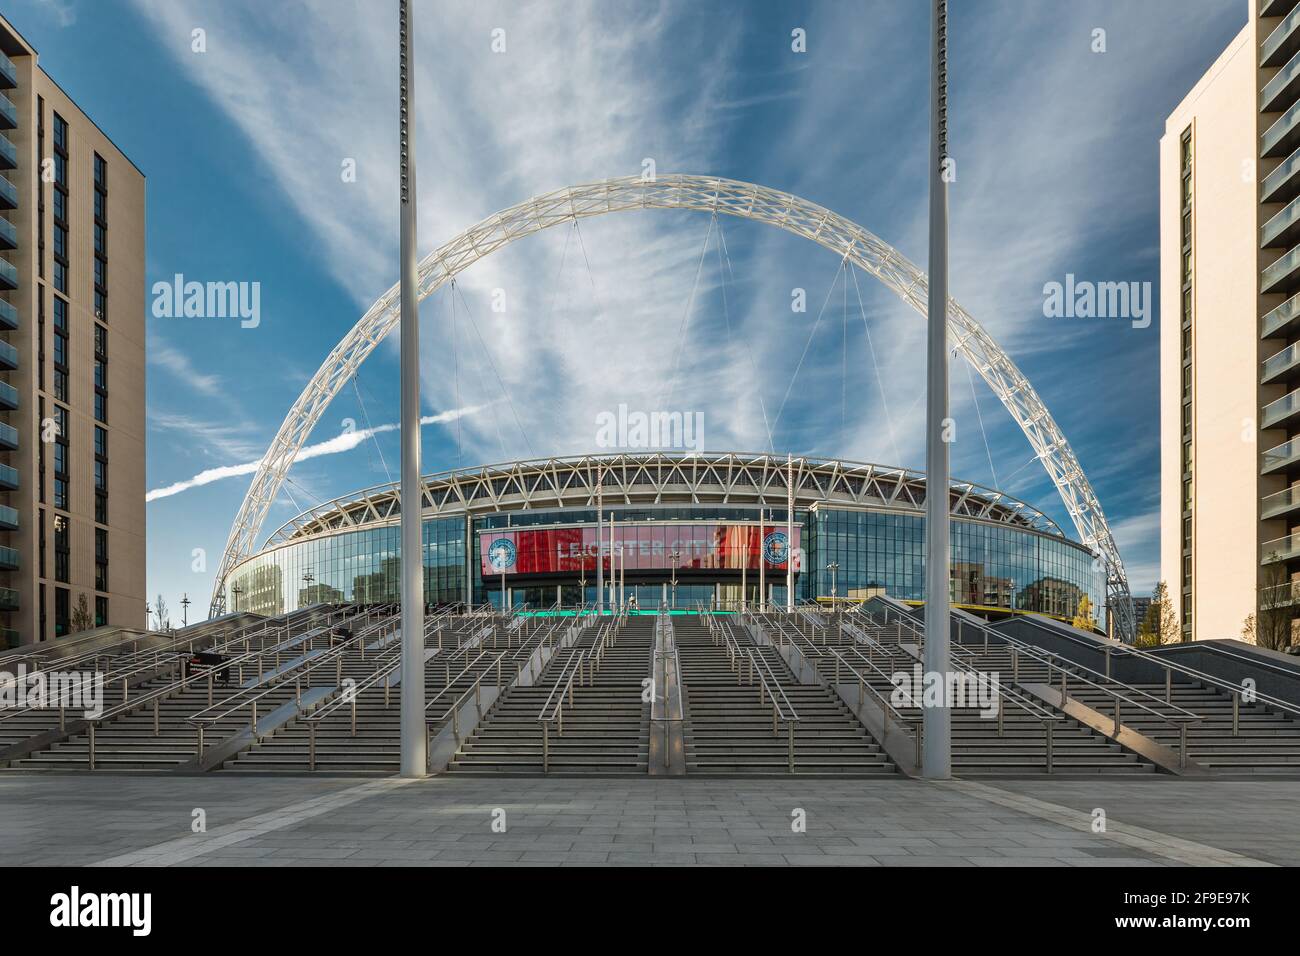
[(178, 364), (332, 446)]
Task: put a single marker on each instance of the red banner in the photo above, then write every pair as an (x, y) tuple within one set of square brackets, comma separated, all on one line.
[(646, 547)]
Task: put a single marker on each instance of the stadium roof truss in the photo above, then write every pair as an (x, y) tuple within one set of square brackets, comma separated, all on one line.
[(659, 478), (719, 197)]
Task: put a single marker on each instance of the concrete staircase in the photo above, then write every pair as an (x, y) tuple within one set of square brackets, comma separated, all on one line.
[(979, 747), (729, 726), (373, 745), (605, 727)]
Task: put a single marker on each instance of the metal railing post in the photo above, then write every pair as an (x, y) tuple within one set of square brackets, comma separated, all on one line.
[(311, 745), (1047, 726), (90, 752)]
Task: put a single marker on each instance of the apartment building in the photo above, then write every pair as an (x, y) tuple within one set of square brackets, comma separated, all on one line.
[(72, 426)]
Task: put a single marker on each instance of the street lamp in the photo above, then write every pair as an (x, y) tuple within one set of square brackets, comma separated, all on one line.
[(307, 579), (676, 557), (936, 756), (185, 610), (148, 615), (236, 591), (832, 568)]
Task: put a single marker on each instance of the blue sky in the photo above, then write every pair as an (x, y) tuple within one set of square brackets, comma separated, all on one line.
[(243, 146)]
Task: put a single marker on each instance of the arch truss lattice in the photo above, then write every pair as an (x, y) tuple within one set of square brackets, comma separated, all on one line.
[(720, 197)]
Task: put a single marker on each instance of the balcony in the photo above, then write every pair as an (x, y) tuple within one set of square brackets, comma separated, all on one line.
[(8, 599), (1282, 366), (9, 478), (1280, 457), (1282, 229), (1281, 412), (8, 153), (1281, 320), (1283, 136), (8, 518), (1280, 92), (8, 113), (8, 316), (1283, 274), (8, 73), (1280, 595), (8, 276), (1280, 503), (1281, 44), (8, 194), (8, 234), (9, 559), (8, 356), (1280, 549), (1276, 8), (8, 437)]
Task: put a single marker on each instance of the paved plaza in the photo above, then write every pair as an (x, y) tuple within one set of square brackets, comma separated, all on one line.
[(107, 819)]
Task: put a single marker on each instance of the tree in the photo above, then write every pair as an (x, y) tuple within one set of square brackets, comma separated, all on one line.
[(1160, 626), (1083, 618), (160, 609), (81, 617), (1271, 627)]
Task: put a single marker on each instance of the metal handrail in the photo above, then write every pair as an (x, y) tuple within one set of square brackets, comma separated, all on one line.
[(1197, 675), (1067, 669), (158, 694), (1070, 668), (249, 697), (564, 684)]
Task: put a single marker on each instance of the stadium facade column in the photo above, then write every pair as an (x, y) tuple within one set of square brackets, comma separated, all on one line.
[(414, 736), (789, 533), (936, 756), (600, 539)]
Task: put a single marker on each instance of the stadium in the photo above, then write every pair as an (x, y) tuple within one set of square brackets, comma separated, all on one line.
[(683, 530)]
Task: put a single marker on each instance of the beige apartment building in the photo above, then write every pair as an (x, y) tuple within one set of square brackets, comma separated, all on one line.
[(1230, 335), (72, 312)]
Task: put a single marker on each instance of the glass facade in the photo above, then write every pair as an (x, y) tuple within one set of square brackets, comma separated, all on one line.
[(993, 564), (362, 566)]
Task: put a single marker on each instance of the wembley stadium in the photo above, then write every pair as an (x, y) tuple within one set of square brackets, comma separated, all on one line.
[(683, 530)]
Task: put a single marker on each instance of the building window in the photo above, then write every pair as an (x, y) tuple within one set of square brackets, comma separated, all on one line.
[(101, 559), (61, 608), (40, 200), (61, 452), (101, 238), (62, 550), (60, 204), (60, 348), (101, 610), (1188, 345), (40, 450)]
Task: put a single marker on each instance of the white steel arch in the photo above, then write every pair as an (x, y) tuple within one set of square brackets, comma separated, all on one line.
[(718, 196)]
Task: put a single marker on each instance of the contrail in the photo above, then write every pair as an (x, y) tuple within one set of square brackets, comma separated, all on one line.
[(331, 446)]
